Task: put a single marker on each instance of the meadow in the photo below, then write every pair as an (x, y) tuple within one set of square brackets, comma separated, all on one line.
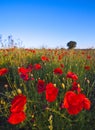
[(47, 89)]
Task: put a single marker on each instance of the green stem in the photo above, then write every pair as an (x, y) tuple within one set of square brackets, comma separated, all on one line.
[(8, 81), (58, 113)]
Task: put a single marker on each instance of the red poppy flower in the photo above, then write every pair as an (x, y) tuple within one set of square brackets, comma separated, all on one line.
[(3, 71), (41, 86), (74, 103), (16, 118), (24, 77), (18, 103), (44, 58), (30, 67), (58, 71), (75, 87), (33, 51), (23, 70), (51, 92), (89, 57), (72, 76), (86, 103), (87, 67), (37, 66), (62, 65), (60, 57), (83, 53)]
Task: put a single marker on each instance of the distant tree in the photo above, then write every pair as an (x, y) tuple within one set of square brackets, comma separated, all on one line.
[(71, 44)]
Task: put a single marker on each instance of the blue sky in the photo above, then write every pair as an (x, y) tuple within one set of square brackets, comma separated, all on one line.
[(49, 23)]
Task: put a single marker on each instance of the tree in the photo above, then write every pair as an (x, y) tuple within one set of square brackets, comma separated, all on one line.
[(71, 44)]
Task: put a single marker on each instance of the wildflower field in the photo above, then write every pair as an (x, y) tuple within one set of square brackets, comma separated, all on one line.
[(47, 89)]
